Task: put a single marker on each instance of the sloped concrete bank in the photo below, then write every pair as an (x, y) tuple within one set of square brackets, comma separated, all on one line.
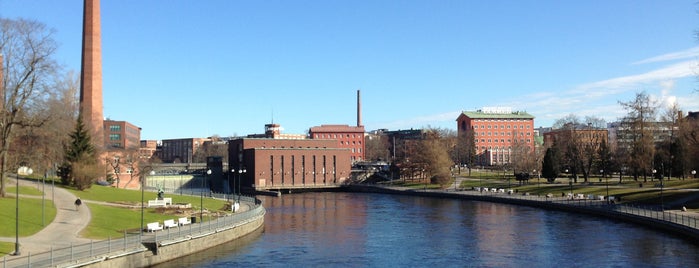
[(168, 250), (684, 231)]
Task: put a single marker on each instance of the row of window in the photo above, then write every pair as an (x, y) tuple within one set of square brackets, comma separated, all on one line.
[(501, 133), (502, 140), (501, 126), (115, 128), (334, 136), (353, 142), (496, 148), (501, 120)]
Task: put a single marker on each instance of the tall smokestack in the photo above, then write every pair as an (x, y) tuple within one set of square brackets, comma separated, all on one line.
[(359, 109), (91, 72)]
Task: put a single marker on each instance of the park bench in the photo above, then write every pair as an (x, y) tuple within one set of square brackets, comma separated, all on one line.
[(160, 202), (183, 221), (153, 226), (169, 223)]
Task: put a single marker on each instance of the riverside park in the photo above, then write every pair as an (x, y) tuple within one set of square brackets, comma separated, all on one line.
[(110, 213)]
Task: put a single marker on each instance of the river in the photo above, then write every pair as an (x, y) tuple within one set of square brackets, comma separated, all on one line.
[(375, 230)]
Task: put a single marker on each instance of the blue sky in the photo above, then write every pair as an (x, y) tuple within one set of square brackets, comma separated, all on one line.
[(200, 68)]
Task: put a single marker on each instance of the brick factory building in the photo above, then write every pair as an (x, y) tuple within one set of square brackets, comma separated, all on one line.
[(288, 163), (496, 131), (349, 137)]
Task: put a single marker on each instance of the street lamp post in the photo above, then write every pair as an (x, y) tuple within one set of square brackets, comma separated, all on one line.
[(152, 173), (24, 171), (17, 215), (228, 193), (241, 173), (661, 188), (570, 182), (601, 171), (201, 196), (694, 173)]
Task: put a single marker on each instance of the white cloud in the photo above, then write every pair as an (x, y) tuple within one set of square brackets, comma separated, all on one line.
[(599, 98), (685, 54), (614, 85)]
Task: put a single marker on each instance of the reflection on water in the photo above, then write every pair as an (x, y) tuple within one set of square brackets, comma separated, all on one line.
[(350, 229)]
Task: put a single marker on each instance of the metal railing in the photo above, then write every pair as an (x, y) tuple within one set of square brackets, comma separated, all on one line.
[(131, 243), (603, 205)]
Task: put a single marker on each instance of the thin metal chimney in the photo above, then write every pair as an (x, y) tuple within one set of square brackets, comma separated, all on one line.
[(359, 109)]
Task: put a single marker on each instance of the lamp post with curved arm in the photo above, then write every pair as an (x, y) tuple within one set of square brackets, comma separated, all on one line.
[(201, 195), (241, 173), (24, 171)]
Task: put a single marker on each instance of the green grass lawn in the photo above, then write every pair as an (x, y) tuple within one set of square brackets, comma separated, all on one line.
[(29, 215), (6, 248), (110, 221), (23, 190)]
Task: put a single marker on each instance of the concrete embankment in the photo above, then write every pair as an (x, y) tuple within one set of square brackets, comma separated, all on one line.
[(690, 231), (168, 250)]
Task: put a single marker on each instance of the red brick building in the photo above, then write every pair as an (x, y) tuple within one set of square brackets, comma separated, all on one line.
[(349, 137), (180, 150), (288, 163), (121, 135), (496, 131)]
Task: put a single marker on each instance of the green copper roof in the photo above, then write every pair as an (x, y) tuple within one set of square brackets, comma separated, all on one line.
[(512, 115)]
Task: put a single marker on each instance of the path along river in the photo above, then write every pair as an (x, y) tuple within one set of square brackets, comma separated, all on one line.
[(375, 230)]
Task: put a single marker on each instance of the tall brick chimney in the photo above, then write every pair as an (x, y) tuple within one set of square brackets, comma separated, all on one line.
[(91, 73)]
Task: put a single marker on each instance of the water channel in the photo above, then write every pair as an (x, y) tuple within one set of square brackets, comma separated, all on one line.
[(375, 230)]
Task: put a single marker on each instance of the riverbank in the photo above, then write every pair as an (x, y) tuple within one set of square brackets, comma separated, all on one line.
[(681, 223), (60, 245)]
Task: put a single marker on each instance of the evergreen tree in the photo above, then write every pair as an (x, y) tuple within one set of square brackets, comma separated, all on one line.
[(550, 166), (79, 166)]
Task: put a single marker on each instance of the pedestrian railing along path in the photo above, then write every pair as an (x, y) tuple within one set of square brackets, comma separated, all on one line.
[(132, 243), (673, 220)]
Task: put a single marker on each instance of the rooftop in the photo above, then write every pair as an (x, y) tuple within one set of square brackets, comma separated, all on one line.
[(480, 114)]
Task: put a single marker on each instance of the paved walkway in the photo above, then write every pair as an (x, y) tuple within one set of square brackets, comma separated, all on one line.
[(63, 231)]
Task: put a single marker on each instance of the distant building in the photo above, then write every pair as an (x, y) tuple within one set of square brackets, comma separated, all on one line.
[(397, 138), (180, 150), (149, 148), (496, 130), (274, 131), (585, 134), (621, 133), (350, 137), (121, 135)]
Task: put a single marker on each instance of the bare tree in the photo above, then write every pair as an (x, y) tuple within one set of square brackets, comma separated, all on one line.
[(433, 153), (28, 69), (637, 135), (215, 147), (42, 145), (376, 148), (579, 143), (463, 149)]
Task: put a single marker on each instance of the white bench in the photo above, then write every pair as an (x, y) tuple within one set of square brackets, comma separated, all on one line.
[(183, 221), (170, 223), (160, 203), (153, 226)]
